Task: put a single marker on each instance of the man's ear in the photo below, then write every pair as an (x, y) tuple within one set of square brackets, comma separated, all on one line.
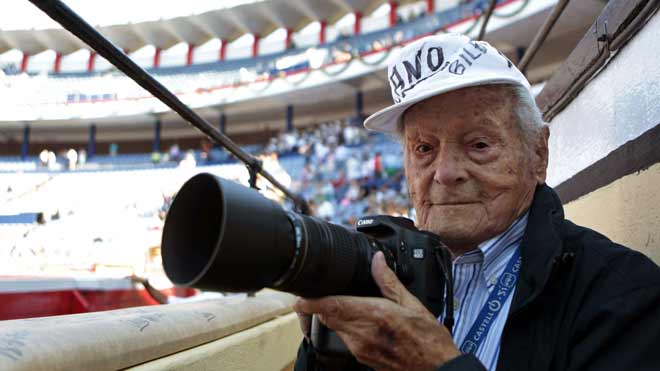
[(541, 152)]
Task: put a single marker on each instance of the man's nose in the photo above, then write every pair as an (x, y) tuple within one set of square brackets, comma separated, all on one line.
[(449, 166)]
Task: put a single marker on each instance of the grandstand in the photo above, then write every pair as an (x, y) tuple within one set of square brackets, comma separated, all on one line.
[(250, 97)]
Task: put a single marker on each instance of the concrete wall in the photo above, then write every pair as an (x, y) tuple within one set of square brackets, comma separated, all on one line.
[(611, 124), (617, 106), (271, 346), (627, 211)]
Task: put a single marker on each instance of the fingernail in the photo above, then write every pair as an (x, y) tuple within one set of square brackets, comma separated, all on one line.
[(380, 256)]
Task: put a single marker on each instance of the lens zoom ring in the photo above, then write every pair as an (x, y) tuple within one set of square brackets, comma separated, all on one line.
[(330, 260), (342, 256)]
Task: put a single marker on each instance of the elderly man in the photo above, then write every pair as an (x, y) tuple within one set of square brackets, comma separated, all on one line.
[(533, 291)]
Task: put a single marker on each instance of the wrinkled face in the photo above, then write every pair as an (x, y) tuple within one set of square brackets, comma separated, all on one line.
[(469, 171)]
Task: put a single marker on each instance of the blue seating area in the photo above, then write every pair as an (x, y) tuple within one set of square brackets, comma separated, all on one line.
[(293, 165), (14, 159), (128, 161), (22, 218), (142, 158), (340, 168), (345, 172)]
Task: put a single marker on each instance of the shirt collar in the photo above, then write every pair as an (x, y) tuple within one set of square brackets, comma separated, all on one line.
[(493, 248)]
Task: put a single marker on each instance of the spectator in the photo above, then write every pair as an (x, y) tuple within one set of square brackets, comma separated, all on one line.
[(113, 149), (52, 161), (82, 157), (156, 157), (72, 158), (175, 153), (43, 157), (378, 165), (188, 161)]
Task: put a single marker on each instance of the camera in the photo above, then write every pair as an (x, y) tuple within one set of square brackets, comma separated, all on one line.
[(221, 236)]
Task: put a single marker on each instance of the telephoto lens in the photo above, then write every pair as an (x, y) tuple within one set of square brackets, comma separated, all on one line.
[(221, 236)]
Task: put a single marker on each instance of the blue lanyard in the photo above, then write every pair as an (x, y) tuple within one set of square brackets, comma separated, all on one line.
[(501, 292)]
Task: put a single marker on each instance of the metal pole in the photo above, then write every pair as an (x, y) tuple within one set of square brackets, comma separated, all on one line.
[(72, 22), (289, 118), (222, 126), (359, 104), (25, 146), (223, 123), (489, 12), (520, 52), (542, 34), (91, 145), (157, 133)]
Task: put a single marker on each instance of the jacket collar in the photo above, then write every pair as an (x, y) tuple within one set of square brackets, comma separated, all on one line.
[(540, 246)]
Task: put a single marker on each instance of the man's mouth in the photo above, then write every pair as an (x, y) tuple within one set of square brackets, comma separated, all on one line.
[(452, 203)]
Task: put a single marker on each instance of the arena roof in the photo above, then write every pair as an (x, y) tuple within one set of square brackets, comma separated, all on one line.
[(257, 18)]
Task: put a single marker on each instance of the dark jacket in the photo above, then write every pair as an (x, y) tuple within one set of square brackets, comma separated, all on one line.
[(582, 302)]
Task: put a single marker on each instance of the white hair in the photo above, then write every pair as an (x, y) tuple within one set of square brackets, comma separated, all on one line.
[(527, 113)]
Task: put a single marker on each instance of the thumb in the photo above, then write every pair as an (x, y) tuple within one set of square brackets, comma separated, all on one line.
[(389, 283)]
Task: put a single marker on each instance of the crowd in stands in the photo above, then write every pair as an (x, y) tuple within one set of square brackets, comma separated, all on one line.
[(341, 169), (346, 172)]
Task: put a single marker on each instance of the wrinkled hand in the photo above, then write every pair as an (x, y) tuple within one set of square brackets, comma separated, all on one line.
[(305, 321), (392, 333)]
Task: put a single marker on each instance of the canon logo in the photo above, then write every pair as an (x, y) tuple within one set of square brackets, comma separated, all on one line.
[(365, 222)]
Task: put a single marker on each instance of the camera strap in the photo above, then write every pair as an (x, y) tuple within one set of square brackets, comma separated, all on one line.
[(498, 296)]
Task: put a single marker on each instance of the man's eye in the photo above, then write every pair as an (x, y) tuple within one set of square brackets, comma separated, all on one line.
[(422, 148), (480, 145)]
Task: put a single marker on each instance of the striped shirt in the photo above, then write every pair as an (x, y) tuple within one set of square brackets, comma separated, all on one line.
[(475, 274)]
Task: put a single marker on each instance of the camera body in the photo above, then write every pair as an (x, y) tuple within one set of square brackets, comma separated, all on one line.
[(418, 259)]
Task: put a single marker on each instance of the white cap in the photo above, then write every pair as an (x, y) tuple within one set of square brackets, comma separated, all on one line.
[(438, 64)]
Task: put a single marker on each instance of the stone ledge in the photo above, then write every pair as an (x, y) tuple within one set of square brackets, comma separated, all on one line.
[(123, 338), (267, 347)]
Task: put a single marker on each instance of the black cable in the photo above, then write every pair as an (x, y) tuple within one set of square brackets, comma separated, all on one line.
[(489, 12)]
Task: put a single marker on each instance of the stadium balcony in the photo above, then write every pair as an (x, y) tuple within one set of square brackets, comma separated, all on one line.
[(71, 95), (382, 36), (372, 29)]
